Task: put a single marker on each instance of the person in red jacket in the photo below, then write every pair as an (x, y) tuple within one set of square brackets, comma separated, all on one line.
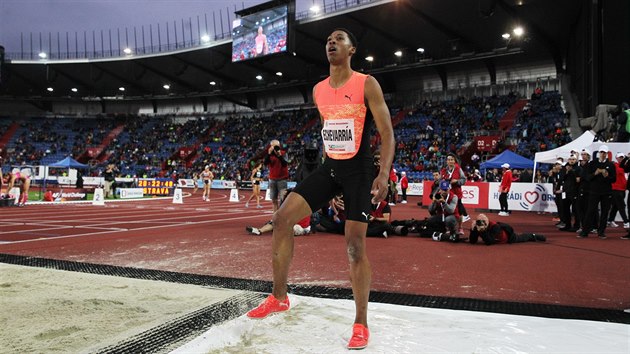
[(504, 188), (404, 184), (278, 172), (618, 194), (457, 178)]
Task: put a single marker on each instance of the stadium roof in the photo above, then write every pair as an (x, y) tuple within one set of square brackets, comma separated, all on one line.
[(449, 31)]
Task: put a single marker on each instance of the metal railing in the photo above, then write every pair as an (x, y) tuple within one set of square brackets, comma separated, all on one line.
[(146, 40)]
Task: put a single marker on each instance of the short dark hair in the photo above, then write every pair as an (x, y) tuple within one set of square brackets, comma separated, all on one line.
[(353, 39)]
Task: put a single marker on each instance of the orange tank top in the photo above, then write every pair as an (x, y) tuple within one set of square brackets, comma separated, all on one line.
[(343, 112)]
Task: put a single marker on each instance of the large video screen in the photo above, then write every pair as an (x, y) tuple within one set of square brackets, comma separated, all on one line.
[(261, 33)]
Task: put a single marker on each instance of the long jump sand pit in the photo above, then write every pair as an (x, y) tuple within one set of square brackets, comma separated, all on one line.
[(46, 310)]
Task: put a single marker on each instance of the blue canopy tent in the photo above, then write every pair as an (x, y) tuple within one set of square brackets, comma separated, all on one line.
[(515, 161), (68, 162)]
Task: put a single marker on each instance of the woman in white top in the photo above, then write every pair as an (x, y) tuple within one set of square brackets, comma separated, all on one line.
[(207, 176), (256, 179)]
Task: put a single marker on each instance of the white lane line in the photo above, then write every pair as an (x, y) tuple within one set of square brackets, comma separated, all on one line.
[(130, 230), (32, 230)]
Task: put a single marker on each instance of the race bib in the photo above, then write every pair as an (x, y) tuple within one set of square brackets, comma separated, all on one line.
[(338, 136)]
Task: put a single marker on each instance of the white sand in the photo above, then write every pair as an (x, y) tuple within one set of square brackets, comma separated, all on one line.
[(323, 326), (44, 310), (48, 311)]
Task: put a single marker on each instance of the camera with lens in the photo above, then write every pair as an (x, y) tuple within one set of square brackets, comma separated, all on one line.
[(277, 148), (480, 223)]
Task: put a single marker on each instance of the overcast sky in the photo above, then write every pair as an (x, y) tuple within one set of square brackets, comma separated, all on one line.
[(25, 16)]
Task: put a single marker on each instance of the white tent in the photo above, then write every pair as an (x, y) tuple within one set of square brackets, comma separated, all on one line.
[(551, 156), (585, 141)]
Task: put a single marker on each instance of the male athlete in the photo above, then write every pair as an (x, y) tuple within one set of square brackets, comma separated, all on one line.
[(349, 104), (262, 47)]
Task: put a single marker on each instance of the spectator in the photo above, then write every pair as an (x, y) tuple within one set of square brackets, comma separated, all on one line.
[(618, 194), (570, 192), (110, 180), (504, 189), (392, 195), (278, 172), (404, 184), (601, 174), (623, 121)]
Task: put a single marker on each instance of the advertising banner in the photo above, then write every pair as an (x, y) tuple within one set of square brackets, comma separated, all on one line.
[(525, 196), (131, 193), (412, 189), (69, 193), (474, 194)]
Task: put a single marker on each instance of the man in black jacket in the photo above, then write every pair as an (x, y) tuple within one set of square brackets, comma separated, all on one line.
[(601, 175), (623, 114), (625, 164), (569, 195)]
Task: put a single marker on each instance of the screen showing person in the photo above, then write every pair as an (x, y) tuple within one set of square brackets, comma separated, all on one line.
[(259, 34)]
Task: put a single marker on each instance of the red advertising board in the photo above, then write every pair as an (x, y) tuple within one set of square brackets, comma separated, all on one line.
[(475, 194)]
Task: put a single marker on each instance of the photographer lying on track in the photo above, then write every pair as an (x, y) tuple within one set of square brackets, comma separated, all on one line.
[(492, 232)]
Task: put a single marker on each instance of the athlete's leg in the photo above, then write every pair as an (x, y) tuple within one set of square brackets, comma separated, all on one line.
[(257, 194), (290, 212), (26, 185), (360, 271), (11, 182)]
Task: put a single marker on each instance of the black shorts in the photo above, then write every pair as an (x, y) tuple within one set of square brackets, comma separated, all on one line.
[(256, 183), (206, 181), (353, 177)]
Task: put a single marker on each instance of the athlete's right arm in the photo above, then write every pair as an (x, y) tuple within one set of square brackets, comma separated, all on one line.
[(380, 112)]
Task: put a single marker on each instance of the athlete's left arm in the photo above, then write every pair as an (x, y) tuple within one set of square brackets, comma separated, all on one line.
[(380, 112)]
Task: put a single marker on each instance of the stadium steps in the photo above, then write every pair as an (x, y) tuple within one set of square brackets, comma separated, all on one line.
[(4, 140), (508, 119), (305, 128), (399, 117), (101, 154)]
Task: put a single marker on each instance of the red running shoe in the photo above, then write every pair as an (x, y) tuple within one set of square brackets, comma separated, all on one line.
[(269, 306), (360, 336)]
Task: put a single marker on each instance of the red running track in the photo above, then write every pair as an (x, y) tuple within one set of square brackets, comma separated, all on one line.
[(209, 238)]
